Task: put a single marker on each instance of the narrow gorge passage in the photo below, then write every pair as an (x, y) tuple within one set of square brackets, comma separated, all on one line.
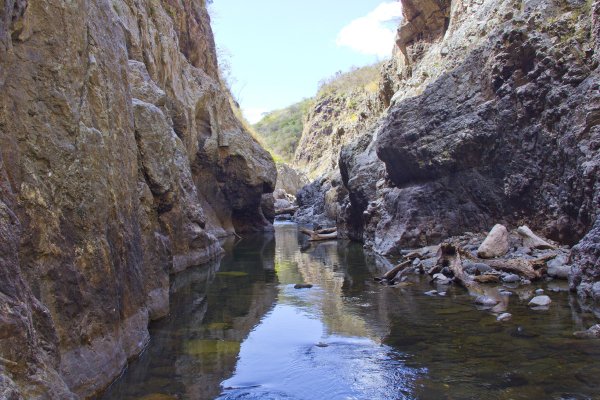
[(240, 330), (372, 199)]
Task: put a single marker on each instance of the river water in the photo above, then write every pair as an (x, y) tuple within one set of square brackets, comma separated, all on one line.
[(238, 329)]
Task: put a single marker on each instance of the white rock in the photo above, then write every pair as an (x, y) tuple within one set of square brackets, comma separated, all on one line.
[(540, 301), (504, 317), (495, 244)]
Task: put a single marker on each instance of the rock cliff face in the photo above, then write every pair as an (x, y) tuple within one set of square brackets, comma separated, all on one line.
[(121, 161), (494, 118)]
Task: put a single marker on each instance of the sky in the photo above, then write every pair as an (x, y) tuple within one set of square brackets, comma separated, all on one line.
[(275, 52)]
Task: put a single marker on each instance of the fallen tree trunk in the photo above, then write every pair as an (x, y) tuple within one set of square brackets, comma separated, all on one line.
[(449, 256), (289, 210), (315, 236), (531, 269), (391, 274), (326, 230)]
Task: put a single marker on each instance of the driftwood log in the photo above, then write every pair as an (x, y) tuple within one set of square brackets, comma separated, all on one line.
[(398, 269), (289, 210), (316, 236), (450, 257), (530, 269), (326, 230)]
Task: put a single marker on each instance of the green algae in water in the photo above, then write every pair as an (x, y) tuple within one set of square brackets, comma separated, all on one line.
[(208, 347), (234, 274), (220, 326)]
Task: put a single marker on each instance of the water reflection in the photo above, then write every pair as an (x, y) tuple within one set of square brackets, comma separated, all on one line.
[(239, 330), (318, 343)]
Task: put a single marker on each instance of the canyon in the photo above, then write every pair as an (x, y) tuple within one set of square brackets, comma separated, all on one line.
[(123, 161)]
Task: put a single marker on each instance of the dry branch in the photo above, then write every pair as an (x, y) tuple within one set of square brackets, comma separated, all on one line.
[(315, 236)]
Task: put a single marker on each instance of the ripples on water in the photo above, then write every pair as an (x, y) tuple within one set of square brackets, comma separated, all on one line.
[(239, 330)]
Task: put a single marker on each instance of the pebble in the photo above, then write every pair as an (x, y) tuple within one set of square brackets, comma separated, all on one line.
[(504, 317), (441, 279), (593, 332), (441, 293), (540, 301), (416, 261), (525, 282), (539, 291), (510, 278), (506, 293), (486, 301), (302, 286), (431, 293)]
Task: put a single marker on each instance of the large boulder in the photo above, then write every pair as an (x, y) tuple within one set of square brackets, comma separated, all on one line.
[(495, 244)]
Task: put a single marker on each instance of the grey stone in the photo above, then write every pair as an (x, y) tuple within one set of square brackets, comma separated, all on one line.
[(510, 278), (592, 333), (441, 279), (596, 291), (559, 272), (477, 268), (486, 300)]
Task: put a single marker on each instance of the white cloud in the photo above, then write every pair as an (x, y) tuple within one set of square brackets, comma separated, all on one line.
[(253, 115), (374, 33)]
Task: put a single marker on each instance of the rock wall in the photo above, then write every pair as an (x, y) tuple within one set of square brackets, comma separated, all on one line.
[(345, 108), (121, 161), (493, 118)]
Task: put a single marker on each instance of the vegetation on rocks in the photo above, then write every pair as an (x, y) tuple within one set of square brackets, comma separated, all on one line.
[(281, 129)]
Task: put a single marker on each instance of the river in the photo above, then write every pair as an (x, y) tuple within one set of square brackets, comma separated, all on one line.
[(238, 329)]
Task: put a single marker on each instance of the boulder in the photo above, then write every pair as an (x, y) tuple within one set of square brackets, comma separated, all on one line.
[(495, 244)]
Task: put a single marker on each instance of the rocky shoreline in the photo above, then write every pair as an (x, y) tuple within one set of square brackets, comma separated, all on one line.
[(492, 268)]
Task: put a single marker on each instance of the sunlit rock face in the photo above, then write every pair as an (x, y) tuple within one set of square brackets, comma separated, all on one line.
[(121, 162), (493, 119)]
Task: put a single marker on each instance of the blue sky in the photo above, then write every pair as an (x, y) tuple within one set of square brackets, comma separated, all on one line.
[(278, 50)]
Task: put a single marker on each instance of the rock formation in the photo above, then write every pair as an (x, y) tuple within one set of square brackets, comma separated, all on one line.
[(494, 118), (121, 161)]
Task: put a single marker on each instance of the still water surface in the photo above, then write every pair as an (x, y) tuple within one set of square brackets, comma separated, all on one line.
[(239, 330)]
